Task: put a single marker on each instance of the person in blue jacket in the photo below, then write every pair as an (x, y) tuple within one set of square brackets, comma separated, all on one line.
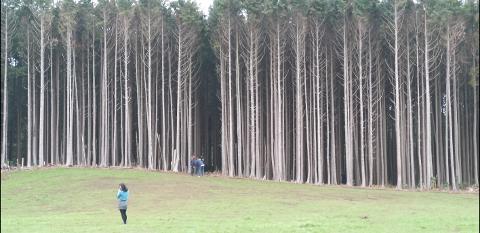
[(122, 197), (199, 167), (193, 165)]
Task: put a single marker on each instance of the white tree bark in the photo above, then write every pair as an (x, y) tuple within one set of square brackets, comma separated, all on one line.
[(346, 88), (4, 157), (41, 132), (128, 133), (30, 107), (69, 113), (428, 129), (360, 77)]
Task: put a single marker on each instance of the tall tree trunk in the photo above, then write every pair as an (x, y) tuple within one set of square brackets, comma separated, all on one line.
[(230, 106), (370, 114), (397, 104), (41, 131), (419, 126), (458, 156), (164, 123), (298, 102), (475, 129), (332, 104), (115, 96), (94, 101), (54, 111), (172, 122), (410, 118), (30, 105), (128, 133), (179, 99), (428, 130), (360, 74), (140, 110), (346, 89), (449, 120), (69, 100), (4, 157), (105, 112), (239, 107)]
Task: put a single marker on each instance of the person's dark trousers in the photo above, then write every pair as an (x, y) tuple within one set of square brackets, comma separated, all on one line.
[(193, 171), (124, 215), (202, 171)]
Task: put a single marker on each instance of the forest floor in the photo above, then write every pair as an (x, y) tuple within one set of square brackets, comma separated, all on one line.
[(84, 200)]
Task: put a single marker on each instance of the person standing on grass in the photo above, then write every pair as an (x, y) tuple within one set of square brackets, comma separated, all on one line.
[(193, 165), (202, 166), (199, 165), (122, 197)]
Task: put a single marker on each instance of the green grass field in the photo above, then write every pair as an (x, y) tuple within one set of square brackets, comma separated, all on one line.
[(83, 200)]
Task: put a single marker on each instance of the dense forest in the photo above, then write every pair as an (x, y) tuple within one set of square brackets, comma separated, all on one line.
[(365, 92)]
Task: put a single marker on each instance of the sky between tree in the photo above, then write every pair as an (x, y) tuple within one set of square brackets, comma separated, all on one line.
[(203, 5)]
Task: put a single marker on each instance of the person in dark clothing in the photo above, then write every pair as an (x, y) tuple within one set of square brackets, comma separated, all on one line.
[(202, 165), (193, 165), (122, 197), (199, 167)]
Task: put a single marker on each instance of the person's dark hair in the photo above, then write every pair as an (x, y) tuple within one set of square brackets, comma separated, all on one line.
[(123, 187)]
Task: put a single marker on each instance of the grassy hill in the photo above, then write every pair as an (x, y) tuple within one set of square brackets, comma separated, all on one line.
[(83, 200)]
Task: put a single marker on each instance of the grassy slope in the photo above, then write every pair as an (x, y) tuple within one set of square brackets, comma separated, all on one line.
[(83, 200)]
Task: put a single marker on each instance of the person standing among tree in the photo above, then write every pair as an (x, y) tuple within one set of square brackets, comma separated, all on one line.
[(193, 164), (122, 197), (199, 165), (202, 166)]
